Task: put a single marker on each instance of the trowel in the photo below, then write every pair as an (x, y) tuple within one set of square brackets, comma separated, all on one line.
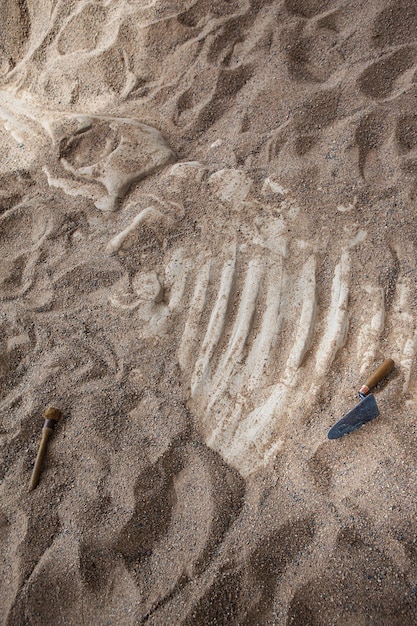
[(367, 409)]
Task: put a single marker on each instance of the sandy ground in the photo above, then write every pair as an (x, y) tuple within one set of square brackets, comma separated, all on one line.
[(208, 242)]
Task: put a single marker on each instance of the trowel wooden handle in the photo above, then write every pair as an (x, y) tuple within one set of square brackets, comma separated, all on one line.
[(383, 370)]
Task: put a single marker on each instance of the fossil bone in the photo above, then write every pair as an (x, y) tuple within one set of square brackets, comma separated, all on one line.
[(96, 156)]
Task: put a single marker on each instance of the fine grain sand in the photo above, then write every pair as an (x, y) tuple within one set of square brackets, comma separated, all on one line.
[(207, 243)]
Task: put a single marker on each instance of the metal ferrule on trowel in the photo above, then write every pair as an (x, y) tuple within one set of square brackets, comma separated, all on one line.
[(367, 409)]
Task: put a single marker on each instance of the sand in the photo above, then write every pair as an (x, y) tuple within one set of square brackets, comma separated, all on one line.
[(208, 243)]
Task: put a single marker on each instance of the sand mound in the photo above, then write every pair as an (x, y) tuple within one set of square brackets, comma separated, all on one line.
[(207, 243)]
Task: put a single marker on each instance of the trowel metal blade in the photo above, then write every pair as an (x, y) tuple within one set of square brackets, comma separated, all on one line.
[(363, 412)]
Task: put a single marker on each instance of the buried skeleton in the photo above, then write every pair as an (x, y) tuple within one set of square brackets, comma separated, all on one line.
[(258, 325)]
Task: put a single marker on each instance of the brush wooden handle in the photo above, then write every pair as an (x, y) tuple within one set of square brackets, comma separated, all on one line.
[(46, 433), (52, 416), (383, 370)]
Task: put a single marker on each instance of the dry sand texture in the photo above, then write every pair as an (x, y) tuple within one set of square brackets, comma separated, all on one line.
[(207, 239)]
